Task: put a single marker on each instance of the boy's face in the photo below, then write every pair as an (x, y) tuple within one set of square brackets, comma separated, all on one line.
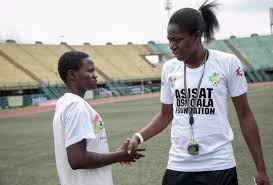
[(86, 77)]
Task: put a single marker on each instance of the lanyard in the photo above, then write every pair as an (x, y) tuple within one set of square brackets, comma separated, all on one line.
[(191, 109)]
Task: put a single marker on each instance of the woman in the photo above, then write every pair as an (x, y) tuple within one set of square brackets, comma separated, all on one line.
[(195, 86)]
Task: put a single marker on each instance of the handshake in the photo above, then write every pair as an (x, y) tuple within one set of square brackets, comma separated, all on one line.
[(130, 151)]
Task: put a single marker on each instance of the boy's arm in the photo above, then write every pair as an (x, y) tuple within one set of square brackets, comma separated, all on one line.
[(80, 158)]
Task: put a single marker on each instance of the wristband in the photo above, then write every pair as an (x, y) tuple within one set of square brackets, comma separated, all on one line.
[(139, 137)]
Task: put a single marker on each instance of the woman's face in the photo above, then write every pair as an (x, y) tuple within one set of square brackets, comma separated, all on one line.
[(182, 44)]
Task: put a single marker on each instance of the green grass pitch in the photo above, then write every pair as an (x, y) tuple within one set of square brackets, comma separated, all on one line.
[(26, 147)]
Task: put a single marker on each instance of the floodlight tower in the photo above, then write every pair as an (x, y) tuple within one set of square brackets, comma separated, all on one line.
[(168, 7), (271, 20)]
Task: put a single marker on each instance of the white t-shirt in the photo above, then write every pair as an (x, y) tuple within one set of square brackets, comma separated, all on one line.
[(223, 77), (75, 120)]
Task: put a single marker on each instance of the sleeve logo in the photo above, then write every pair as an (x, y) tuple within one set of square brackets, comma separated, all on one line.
[(239, 71)]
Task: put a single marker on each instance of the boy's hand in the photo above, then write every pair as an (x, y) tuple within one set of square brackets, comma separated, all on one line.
[(133, 156)]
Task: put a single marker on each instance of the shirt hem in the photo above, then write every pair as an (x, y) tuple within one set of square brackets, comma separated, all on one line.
[(213, 168)]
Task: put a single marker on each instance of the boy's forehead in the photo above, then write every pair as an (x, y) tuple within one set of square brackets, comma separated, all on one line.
[(88, 61)]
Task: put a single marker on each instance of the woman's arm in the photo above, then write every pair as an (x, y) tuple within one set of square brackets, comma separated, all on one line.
[(251, 135), (155, 126)]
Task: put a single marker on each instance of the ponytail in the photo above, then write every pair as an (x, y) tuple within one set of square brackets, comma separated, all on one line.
[(210, 19)]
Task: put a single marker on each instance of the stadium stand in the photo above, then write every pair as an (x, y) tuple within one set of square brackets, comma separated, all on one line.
[(101, 63), (256, 54), (218, 45), (266, 42), (58, 50), (159, 48), (29, 62), (12, 77), (118, 62), (121, 69), (42, 55), (53, 92), (134, 56)]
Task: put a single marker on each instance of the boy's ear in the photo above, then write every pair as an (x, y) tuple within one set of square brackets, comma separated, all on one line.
[(71, 75)]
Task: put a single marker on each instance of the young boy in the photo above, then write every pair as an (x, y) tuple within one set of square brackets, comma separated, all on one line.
[(81, 148)]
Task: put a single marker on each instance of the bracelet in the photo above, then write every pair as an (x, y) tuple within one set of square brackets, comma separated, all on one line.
[(140, 137)]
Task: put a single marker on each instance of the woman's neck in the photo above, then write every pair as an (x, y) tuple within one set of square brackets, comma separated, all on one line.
[(197, 59)]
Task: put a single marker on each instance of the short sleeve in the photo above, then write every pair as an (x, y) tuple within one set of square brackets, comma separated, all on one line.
[(237, 84), (77, 124), (165, 92)]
